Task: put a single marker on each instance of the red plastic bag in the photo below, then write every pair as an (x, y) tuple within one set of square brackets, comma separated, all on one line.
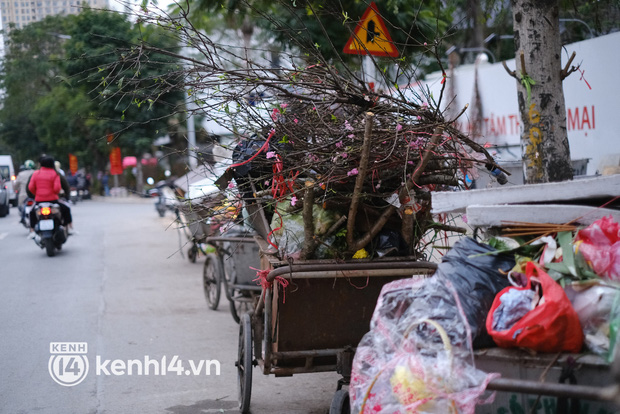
[(552, 326), (600, 246)]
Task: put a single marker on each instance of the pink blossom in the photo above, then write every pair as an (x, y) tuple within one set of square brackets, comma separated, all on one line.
[(283, 106), (348, 126), (339, 144), (314, 108), (296, 120), (266, 182), (417, 143), (293, 200), (351, 136), (399, 127), (274, 114), (231, 185), (344, 155), (352, 172), (270, 154)]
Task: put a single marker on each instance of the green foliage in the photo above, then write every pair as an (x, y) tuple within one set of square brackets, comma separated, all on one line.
[(330, 25), (601, 17), (323, 27), (55, 100), (29, 70)]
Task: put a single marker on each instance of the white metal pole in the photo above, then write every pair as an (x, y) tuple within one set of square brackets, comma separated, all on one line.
[(191, 136)]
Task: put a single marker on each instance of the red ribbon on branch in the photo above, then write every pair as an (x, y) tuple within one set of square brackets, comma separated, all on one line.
[(263, 148), (261, 277)]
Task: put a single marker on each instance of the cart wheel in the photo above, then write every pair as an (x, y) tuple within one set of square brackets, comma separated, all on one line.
[(192, 253), (211, 280), (340, 403), (240, 305), (244, 364), (230, 273)]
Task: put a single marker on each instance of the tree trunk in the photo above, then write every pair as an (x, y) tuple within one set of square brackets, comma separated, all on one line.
[(474, 14), (544, 142)]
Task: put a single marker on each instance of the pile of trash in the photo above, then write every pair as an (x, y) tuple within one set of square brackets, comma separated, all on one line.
[(547, 294), (579, 273)]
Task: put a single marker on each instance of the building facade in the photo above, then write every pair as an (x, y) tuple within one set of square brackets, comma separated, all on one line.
[(23, 12)]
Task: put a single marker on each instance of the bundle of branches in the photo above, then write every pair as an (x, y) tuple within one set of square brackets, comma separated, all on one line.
[(317, 134)]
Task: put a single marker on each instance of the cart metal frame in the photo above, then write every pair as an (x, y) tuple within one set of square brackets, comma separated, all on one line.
[(230, 267), (315, 324), (195, 228)]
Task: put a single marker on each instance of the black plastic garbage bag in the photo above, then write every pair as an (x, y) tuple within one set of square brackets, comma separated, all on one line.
[(390, 243), (476, 277)]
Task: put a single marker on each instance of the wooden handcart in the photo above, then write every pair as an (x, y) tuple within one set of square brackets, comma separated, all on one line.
[(311, 315)]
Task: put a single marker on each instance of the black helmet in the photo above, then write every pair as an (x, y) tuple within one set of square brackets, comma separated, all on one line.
[(47, 161)]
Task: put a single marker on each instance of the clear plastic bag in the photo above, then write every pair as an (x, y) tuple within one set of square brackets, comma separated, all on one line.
[(599, 243), (417, 356), (288, 229), (598, 308)]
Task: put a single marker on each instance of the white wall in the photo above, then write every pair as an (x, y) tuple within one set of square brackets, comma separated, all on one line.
[(593, 112)]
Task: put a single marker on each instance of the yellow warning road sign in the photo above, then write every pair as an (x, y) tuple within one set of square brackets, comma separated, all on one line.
[(371, 36)]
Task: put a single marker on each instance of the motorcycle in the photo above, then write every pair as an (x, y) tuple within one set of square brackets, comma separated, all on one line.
[(166, 199), (24, 211), (50, 234)]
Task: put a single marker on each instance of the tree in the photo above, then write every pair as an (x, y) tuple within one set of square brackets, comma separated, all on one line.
[(322, 24), (545, 148), (29, 69), (51, 102), (132, 118)]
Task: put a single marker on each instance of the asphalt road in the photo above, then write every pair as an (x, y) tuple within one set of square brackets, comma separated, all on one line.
[(121, 287)]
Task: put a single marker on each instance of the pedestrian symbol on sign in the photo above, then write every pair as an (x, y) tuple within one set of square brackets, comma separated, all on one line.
[(370, 32)]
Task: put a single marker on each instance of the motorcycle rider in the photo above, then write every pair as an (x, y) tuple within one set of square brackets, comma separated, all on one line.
[(21, 184), (45, 184)]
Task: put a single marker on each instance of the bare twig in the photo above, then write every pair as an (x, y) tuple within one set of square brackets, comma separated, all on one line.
[(359, 181), (309, 237), (566, 71), (510, 72)]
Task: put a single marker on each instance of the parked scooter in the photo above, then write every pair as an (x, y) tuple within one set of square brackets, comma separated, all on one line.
[(50, 234)]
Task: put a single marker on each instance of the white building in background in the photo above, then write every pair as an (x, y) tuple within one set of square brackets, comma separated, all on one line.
[(592, 107), (23, 12)]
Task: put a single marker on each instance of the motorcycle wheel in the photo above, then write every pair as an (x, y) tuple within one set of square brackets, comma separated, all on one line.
[(50, 249)]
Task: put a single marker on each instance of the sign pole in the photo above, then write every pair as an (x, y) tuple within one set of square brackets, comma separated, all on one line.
[(369, 73)]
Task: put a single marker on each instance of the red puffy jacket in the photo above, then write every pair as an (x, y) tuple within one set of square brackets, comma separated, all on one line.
[(45, 184)]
